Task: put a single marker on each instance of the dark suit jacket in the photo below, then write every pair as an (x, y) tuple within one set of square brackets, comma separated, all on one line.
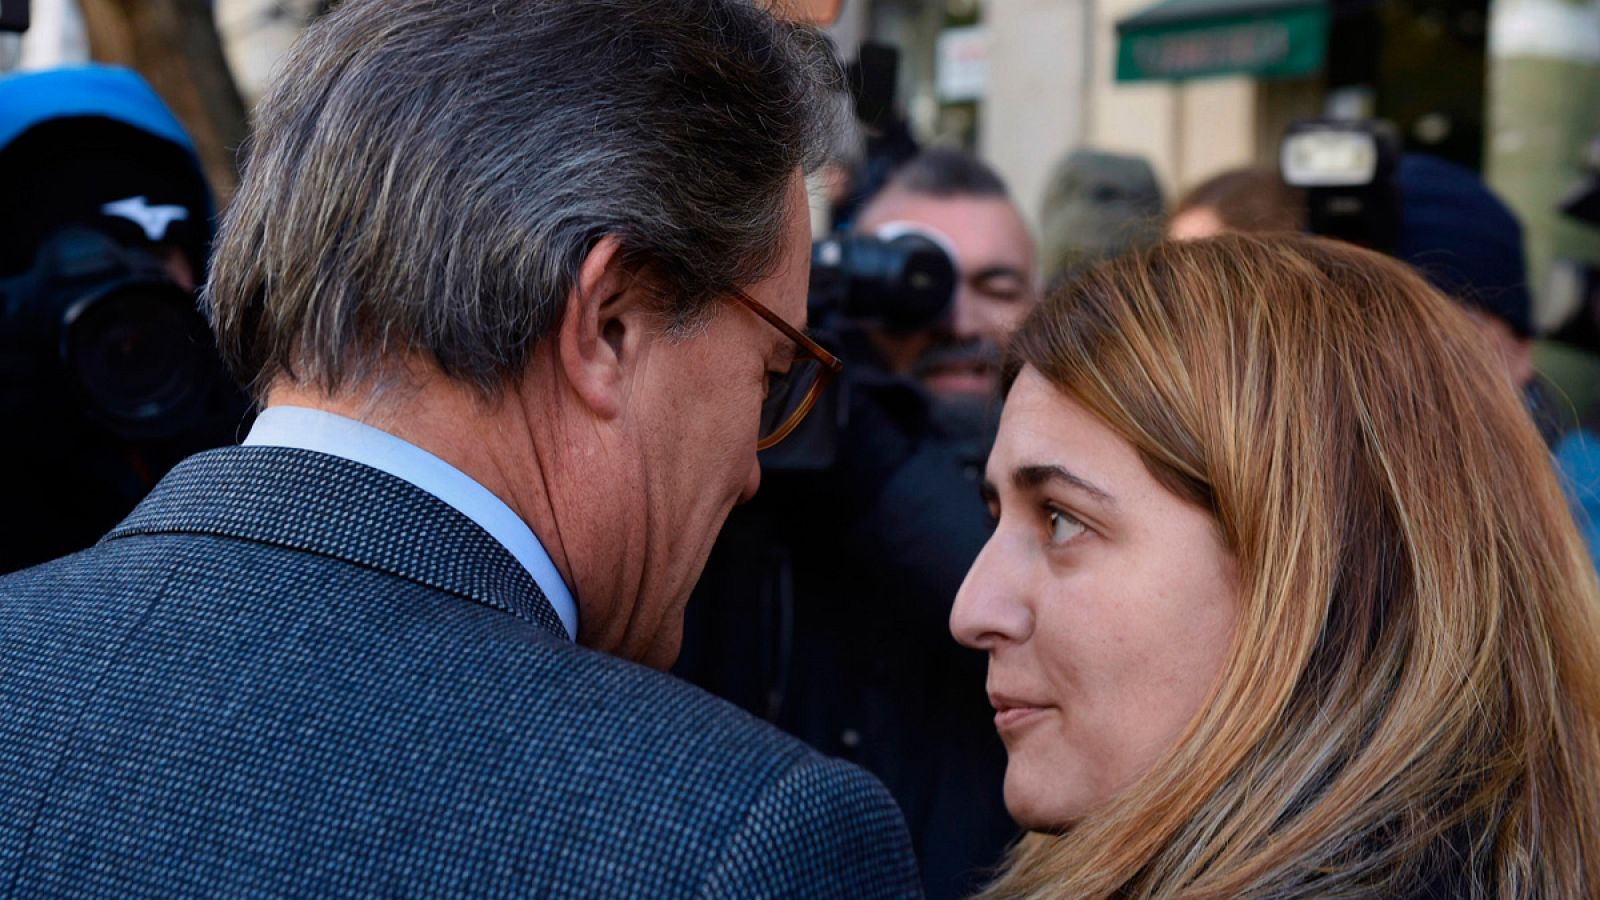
[(288, 673)]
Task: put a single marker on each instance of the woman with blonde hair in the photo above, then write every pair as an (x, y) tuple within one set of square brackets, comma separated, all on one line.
[(1283, 598)]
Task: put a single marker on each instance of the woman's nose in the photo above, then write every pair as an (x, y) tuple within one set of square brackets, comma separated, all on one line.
[(989, 609)]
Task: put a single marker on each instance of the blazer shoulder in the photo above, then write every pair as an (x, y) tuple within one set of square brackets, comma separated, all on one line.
[(461, 718), (774, 816), (614, 694), (823, 825)]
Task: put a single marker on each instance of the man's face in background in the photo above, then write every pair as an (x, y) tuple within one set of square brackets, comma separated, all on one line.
[(959, 359)]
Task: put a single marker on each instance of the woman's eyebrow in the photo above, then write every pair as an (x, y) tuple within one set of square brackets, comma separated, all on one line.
[(1034, 476)]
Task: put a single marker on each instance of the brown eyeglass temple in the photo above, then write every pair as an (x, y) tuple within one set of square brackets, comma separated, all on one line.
[(831, 366)]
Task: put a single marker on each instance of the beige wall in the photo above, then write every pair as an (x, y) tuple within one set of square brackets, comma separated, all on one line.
[(1188, 132), (255, 35), (1036, 107), (1052, 89), (1218, 129)]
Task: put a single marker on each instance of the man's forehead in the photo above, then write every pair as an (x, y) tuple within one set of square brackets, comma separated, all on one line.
[(974, 223)]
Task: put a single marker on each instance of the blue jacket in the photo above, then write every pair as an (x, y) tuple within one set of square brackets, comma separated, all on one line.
[(291, 674), (1578, 461)]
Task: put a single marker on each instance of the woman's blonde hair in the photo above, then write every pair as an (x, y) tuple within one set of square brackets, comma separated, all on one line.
[(1413, 692)]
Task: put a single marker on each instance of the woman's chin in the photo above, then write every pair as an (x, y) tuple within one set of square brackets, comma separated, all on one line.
[(1038, 810)]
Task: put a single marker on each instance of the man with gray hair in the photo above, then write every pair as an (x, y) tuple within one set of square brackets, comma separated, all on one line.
[(519, 287)]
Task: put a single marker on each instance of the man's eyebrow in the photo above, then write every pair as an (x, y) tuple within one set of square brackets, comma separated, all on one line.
[(998, 271), (1029, 477)]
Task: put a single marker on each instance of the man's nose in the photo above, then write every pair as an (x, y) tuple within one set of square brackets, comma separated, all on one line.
[(966, 319), (989, 610)]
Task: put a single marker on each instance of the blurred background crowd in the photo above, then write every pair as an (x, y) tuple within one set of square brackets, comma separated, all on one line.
[(994, 148)]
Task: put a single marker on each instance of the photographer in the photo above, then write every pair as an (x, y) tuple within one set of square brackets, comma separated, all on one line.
[(824, 608), (107, 372)]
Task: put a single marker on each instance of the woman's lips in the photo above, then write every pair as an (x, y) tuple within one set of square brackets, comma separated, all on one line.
[(1011, 713)]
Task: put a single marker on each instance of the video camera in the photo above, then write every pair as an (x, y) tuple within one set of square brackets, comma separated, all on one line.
[(108, 328), (1348, 170), (903, 282), (899, 282)]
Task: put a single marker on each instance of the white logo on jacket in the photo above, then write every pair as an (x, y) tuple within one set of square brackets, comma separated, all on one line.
[(155, 220)]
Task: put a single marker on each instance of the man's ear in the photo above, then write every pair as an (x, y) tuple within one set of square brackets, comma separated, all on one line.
[(603, 328)]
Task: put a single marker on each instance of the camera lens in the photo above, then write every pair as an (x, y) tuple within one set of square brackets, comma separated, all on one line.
[(905, 283), (137, 356)]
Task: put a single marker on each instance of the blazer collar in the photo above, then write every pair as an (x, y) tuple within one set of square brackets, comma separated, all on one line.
[(322, 504)]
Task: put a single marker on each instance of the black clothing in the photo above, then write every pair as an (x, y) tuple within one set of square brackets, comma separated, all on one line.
[(825, 610)]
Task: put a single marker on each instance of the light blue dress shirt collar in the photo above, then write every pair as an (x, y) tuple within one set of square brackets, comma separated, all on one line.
[(324, 432)]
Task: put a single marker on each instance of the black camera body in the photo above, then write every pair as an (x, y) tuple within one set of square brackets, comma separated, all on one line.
[(1349, 171), (903, 284), (1576, 285), (14, 15), (103, 328), (900, 284)]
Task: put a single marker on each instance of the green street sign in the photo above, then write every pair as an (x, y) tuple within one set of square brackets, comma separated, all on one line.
[(1182, 39)]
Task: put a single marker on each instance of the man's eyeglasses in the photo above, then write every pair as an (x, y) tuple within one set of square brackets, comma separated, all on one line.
[(791, 395)]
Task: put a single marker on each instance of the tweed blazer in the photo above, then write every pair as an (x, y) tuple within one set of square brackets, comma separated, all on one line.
[(290, 674)]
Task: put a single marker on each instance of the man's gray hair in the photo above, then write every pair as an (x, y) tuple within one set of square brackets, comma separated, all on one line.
[(427, 177)]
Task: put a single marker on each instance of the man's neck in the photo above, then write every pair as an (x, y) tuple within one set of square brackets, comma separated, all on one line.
[(489, 440)]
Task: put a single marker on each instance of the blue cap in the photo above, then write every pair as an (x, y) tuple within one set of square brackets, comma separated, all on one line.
[(1463, 239), (77, 141), (29, 98)]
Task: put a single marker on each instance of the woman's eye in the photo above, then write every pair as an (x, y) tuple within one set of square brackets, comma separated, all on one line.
[(1063, 527)]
